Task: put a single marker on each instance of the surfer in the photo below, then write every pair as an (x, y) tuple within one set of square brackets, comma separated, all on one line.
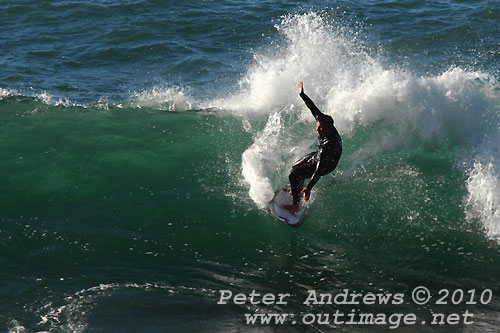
[(317, 163)]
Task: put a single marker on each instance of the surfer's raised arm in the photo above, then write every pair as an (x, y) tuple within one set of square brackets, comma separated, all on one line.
[(309, 103)]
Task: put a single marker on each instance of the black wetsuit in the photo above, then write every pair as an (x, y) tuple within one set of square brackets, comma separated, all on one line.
[(317, 163)]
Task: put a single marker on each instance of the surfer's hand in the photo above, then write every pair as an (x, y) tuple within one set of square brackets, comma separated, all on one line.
[(307, 193), (301, 87)]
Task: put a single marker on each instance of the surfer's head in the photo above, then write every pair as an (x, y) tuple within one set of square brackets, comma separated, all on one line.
[(324, 125)]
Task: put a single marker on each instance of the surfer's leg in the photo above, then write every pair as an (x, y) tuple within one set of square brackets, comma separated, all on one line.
[(302, 169)]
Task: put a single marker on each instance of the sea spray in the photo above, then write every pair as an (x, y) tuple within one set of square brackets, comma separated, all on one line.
[(483, 185), (307, 49), (164, 98), (262, 159)]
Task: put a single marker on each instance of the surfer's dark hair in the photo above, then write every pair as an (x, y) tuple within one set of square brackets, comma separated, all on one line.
[(326, 122)]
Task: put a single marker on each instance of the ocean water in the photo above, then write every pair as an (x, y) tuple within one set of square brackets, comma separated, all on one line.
[(140, 142)]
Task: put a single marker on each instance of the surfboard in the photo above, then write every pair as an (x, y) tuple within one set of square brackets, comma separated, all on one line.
[(282, 198)]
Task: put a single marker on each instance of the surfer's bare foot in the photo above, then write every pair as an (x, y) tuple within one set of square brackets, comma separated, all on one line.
[(307, 193)]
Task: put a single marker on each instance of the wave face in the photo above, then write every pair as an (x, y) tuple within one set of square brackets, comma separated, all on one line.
[(140, 142)]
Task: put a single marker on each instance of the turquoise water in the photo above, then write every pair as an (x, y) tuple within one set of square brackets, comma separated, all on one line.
[(141, 141)]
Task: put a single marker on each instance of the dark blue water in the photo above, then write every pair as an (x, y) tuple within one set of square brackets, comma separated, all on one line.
[(140, 142)]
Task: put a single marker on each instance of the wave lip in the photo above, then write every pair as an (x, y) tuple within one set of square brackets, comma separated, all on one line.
[(164, 98)]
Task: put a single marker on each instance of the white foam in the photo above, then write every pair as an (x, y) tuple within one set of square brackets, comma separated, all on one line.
[(261, 160), (4, 93), (438, 109), (43, 97), (72, 313), (164, 98), (50, 99), (483, 201), (483, 185), (308, 50)]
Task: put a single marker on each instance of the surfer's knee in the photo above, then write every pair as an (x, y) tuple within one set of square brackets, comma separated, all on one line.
[(295, 178)]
